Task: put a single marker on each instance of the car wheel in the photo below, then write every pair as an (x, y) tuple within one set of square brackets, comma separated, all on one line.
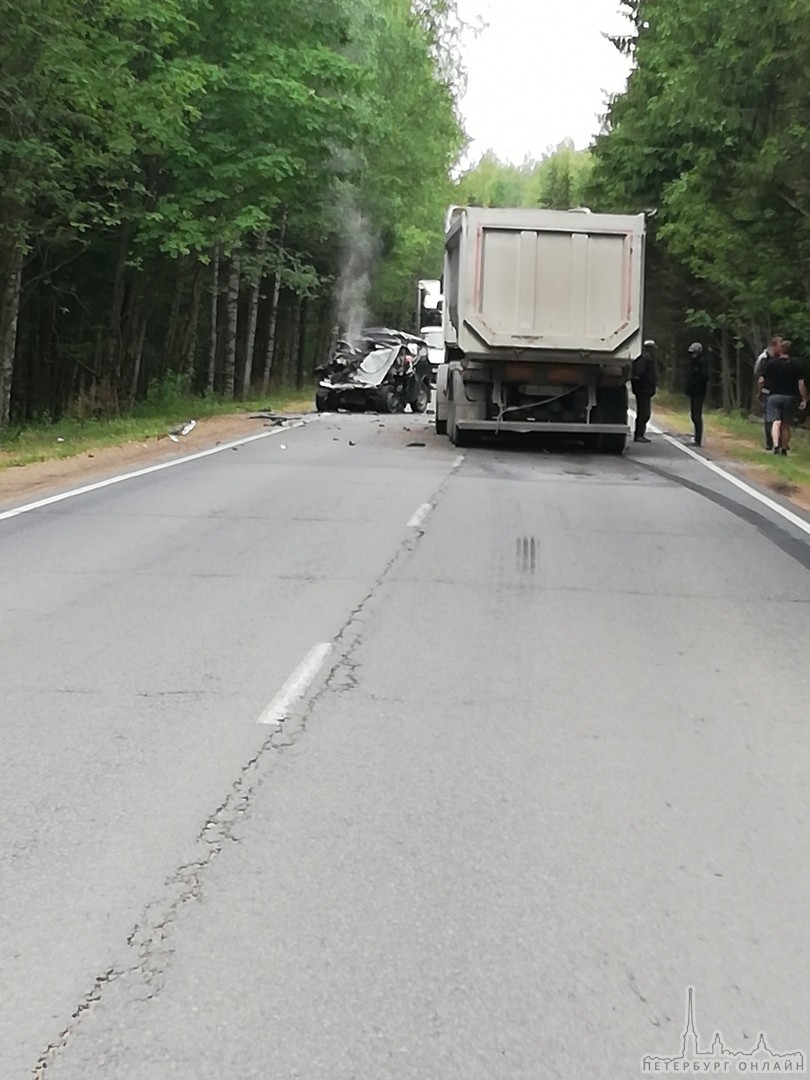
[(324, 401), (422, 398), (391, 400)]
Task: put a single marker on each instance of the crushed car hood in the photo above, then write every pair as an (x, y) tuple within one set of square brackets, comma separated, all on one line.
[(370, 372)]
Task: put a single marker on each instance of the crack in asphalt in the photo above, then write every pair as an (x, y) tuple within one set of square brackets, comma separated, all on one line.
[(150, 937)]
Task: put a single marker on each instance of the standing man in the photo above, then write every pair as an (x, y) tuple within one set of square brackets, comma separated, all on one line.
[(759, 370), (697, 383), (784, 383), (644, 384)]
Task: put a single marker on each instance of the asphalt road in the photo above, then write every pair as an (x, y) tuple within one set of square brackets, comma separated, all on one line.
[(553, 771)]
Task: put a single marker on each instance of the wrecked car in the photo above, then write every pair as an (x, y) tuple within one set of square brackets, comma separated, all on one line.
[(382, 370)]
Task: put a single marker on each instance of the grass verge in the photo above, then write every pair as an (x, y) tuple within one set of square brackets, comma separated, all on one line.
[(68, 437), (741, 439)]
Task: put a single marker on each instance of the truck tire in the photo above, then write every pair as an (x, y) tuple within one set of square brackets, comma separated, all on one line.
[(441, 400), (611, 409), (612, 444), (458, 437)]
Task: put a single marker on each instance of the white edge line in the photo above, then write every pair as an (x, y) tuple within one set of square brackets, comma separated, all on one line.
[(110, 480), (788, 515), (297, 685), (459, 461), (419, 516)]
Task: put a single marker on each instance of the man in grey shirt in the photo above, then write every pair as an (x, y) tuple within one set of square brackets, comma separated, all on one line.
[(759, 370)]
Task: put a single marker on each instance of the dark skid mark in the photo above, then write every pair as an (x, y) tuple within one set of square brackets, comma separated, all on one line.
[(771, 530), (526, 551)]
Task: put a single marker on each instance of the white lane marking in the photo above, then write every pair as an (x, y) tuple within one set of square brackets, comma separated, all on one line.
[(145, 471), (794, 519), (297, 685), (459, 460), (419, 516)]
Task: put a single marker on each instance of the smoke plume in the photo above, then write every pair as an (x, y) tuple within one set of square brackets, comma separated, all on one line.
[(360, 250)]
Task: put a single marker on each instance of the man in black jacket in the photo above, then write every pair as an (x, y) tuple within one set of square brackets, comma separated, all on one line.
[(644, 384), (697, 383)]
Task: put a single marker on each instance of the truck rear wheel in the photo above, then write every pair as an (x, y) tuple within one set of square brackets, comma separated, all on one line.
[(458, 437), (612, 444), (611, 408), (441, 400)]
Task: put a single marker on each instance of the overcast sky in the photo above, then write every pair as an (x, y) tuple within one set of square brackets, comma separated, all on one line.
[(538, 73)]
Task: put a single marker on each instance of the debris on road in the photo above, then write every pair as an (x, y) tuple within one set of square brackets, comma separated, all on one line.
[(415, 444), (275, 419), (182, 429)]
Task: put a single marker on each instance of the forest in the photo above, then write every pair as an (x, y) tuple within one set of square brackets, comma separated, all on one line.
[(193, 191), (195, 194), (713, 134)]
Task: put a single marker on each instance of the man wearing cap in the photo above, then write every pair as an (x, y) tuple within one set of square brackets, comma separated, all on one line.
[(644, 384), (697, 383)]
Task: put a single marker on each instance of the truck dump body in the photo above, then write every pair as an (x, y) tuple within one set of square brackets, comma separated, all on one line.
[(543, 309), (543, 279)]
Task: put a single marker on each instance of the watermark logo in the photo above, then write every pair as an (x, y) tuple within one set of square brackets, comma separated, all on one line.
[(719, 1059)]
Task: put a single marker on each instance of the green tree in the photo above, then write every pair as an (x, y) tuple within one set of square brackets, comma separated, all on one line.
[(713, 131)]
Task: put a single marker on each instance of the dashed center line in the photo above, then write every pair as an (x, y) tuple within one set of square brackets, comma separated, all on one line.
[(459, 461), (297, 685), (419, 516)]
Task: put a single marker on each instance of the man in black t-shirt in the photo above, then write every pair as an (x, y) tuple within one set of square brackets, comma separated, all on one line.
[(783, 380)]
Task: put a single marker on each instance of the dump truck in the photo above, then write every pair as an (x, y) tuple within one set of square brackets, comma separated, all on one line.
[(542, 322)]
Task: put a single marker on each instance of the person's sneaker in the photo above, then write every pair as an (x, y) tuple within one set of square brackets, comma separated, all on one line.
[(776, 450), (641, 438), (784, 451)]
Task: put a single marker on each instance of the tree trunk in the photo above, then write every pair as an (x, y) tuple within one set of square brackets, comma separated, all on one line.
[(303, 307), (139, 334), (323, 337), (112, 353), (272, 326), (725, 372), (212, 350), (173, 332), (253, 315), (229, 380), (272, 323), (9, 316), (190, 345)]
